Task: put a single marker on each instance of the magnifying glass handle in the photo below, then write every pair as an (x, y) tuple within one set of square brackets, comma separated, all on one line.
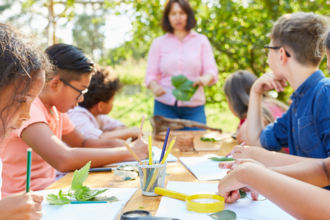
[(170, 193)]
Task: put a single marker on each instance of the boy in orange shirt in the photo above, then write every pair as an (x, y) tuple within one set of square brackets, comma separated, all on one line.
[(49, 126)]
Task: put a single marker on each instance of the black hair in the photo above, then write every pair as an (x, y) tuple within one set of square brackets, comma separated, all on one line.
[(71, 61), (21, 63), (102, 88)]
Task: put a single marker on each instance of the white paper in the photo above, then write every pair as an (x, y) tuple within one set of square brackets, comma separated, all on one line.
[(157, 152), (203, 168), (244, 208), (99, 211)]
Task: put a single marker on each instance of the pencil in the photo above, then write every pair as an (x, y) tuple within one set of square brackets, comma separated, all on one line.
[(242, 144), (142, 121), (165, 144), (169, 150), (28, 169), (150, 150), (87, 202), (132, 152)]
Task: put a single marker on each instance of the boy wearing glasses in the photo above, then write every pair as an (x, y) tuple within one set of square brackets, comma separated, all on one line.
[(49, 126), (305, 127)]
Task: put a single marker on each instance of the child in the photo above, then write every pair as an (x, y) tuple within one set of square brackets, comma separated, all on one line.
[(305, 127), (49, 124), (237, 89), (90, 117), (22, 76)]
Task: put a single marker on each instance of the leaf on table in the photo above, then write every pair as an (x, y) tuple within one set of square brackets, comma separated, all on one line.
[(126, 175), (85, 193), (80, 176), (208, 139), (221, 159), (57, 200), (104, 198), (184, 89), (224, 215), (242, 193)]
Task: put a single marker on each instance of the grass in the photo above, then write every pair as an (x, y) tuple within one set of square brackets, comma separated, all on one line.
[(135, 100)]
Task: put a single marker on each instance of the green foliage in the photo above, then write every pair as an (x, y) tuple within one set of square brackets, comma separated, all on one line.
[(221, 159), (224, 215), (242, 194), (184, 88), (78, 191)]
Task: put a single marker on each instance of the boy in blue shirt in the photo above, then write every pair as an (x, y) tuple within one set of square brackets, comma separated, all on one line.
[(305, 127)]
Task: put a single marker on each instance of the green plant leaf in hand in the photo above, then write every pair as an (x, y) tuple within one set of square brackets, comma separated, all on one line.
[(184, 88), (224, 215), (221, 159), (242, 193)]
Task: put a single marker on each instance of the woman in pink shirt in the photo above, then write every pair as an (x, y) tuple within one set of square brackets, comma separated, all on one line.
[(180, 51)]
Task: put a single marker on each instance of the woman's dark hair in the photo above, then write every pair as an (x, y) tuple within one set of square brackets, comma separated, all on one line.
[(184, 4), (102, 88), (20, 64), (237, 89), (71, 61)]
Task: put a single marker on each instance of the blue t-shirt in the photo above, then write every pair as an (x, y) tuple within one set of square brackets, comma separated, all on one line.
[(305, 127)]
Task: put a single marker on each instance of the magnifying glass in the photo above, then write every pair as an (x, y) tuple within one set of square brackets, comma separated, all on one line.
[(202, 203), (141, 215)]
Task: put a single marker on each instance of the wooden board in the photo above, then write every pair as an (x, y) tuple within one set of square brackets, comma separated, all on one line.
[(176, 170)]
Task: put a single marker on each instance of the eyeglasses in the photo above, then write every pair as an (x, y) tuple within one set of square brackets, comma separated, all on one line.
[(82, 92), (266, 47)]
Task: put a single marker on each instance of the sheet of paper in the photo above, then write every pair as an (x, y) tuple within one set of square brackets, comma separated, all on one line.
[(100, 211), (204, 168), (157, 152), (244, 208)]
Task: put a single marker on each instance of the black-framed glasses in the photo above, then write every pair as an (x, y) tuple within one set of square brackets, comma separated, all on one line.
[(266, 47), (82, 92)]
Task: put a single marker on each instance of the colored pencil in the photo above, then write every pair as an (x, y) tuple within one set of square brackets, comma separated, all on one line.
[(169, 150), (165, 144), (87, 202), (242, 144), (141, 128), (150, 150), (28, 170), (132, 152)]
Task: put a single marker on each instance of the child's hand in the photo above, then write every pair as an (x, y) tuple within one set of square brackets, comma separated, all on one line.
[(229, 186), (140, 147), (244, 152), (233, 164), (21, 206), (157, 89), (203, 80), (134, 132), (267, 82)]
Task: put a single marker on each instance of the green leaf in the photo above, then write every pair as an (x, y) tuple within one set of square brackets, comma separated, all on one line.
[(84, 193), (208, 139), (242, 193), (80, 176), (184, 89), (224, 215), (57, 200), (104, 198), (221, 159)]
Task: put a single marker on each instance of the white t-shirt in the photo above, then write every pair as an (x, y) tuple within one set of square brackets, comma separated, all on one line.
[(90, 126)]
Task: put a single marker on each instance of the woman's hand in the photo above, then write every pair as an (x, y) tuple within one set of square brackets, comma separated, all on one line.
[(157, 89), (203, 80), (21, 206)]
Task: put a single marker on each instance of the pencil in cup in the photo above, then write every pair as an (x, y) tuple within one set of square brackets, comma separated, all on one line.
[(154, 176)]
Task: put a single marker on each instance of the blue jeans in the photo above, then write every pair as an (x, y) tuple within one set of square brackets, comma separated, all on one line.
[(189, 113)]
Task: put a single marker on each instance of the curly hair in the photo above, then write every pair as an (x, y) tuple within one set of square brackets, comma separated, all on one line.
[(71, 61), (103, 86), (20, 64)]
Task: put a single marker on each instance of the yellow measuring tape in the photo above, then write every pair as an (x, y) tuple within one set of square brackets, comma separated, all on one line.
[(202, 203)]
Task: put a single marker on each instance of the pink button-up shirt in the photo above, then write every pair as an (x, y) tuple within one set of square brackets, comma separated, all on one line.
[(193, 57)]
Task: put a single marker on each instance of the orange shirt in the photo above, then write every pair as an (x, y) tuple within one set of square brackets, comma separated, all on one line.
[(13, 152)]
